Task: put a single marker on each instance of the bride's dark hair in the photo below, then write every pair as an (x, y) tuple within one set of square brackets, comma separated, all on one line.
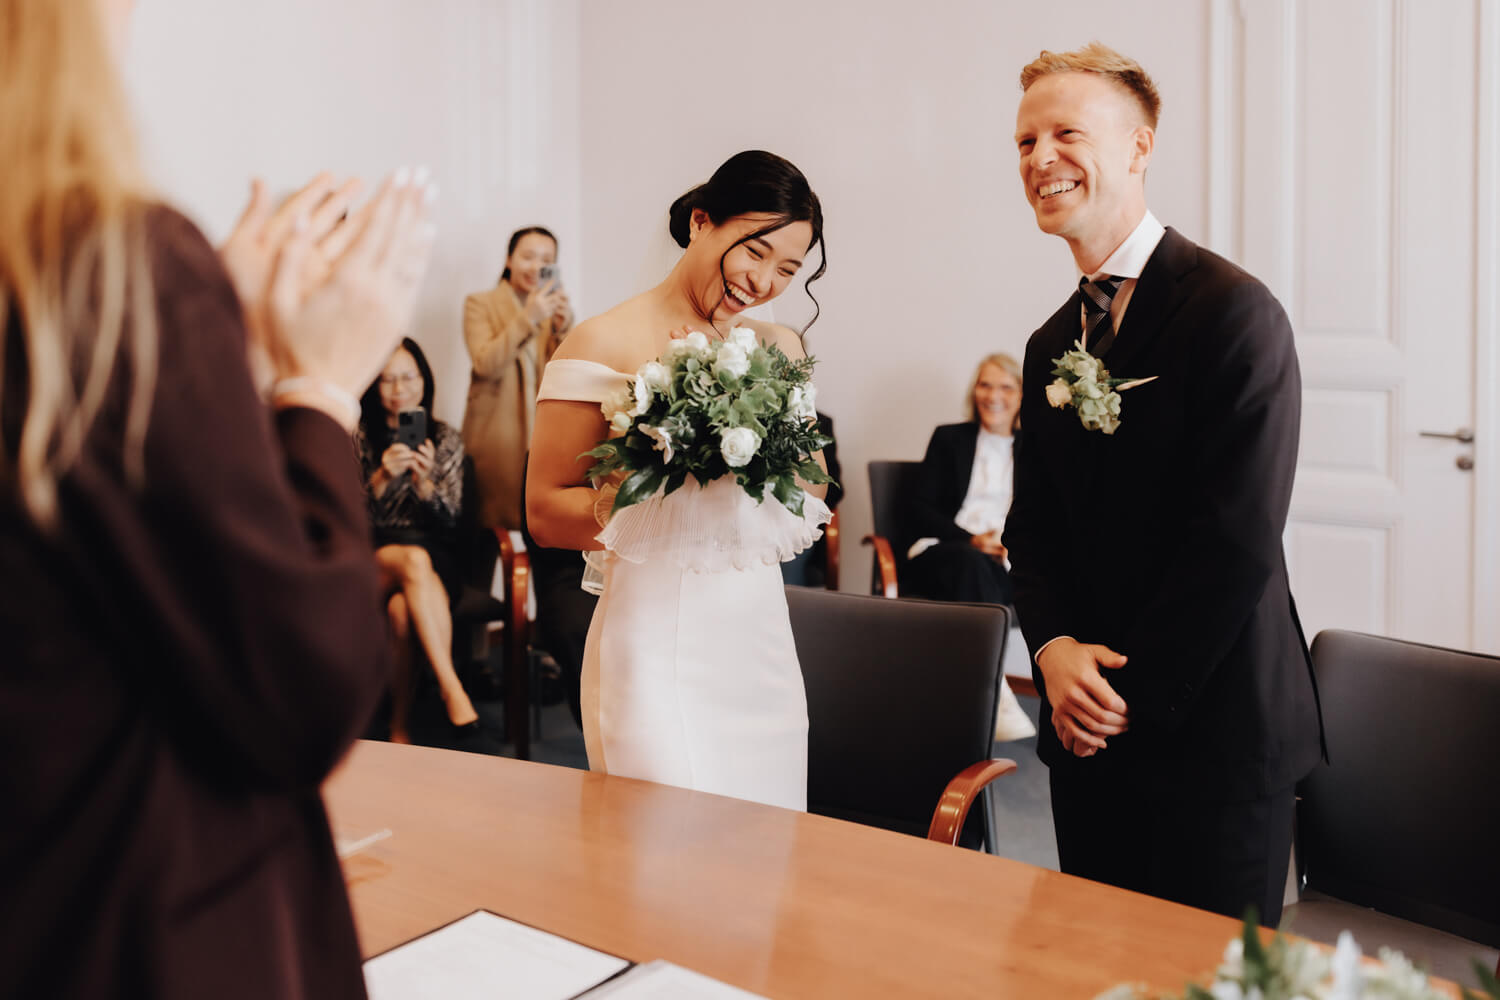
[(760, 183)]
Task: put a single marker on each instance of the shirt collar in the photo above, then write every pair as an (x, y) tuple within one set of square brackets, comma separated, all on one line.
[(1130, 257)]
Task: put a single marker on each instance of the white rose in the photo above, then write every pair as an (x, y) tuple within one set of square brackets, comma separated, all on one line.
[(738, 445), (744, 337), (642, 394), (621, 421), (697, 341), (657, 375), (663, 439), (732, 359), (800, 403), (1059, 394)]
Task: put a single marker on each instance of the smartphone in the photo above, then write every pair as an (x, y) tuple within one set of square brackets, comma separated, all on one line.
[(546, 273), (411, 428)]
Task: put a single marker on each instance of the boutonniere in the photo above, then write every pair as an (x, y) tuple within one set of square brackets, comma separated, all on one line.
[(1084, 383)]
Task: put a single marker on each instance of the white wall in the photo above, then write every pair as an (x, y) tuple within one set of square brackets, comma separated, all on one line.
[(902, 118), (484, 92)]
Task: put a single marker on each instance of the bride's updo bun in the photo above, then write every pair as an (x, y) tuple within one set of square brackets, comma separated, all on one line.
[(753, 183), (681, 213)]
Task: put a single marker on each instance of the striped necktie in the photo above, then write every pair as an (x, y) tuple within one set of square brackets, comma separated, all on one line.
[(1097, 296)]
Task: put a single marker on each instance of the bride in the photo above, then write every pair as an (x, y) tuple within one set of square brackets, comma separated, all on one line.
[(690, 675)]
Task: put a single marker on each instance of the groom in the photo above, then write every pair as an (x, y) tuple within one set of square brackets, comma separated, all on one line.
[(1149, 576)]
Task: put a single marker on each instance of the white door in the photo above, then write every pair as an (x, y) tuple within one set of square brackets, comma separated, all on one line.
[(1354, 170)]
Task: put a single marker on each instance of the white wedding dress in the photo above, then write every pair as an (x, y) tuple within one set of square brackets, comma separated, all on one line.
[(690, 674)]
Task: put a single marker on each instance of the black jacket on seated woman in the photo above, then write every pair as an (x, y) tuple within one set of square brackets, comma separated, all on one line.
[(957, 512)]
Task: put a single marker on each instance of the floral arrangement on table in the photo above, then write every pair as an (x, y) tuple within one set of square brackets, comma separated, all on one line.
[(1085, 384), (709, 409), (1288, 969)]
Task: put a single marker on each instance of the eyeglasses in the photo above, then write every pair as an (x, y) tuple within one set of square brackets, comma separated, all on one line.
[(393, 381)]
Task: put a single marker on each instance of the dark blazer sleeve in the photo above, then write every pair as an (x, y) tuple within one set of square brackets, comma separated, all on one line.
[(254, 571), (831, 459), (1035, 527), (941, 485), (1245, 413)]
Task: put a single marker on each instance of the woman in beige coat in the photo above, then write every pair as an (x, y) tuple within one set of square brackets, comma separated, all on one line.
[(511, 331)]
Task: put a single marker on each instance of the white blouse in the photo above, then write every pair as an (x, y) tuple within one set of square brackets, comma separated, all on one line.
[(988, 500)]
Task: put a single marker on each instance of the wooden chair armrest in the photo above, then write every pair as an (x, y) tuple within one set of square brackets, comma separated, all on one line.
[(517, 569), (885, 562), (831, 551), (1024, 686), (953, 808)]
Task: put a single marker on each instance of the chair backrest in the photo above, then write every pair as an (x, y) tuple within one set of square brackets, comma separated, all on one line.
[(474, 544), (1406, 817), (901, 696), (891, 486)]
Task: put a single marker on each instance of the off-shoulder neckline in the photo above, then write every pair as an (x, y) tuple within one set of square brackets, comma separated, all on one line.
[(592, 364)]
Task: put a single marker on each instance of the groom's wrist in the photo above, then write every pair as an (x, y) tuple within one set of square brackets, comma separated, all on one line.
[(1047, 644)]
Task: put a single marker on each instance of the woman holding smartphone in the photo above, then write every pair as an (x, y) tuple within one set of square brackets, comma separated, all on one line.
[(511, 332), (414, 476)]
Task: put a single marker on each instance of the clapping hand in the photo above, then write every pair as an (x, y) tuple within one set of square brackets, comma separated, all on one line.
[(250, 252), (327, 294), (1086, 710), (337, 311)]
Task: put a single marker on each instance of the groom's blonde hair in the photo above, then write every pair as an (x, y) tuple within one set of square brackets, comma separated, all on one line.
[(1104, 61)]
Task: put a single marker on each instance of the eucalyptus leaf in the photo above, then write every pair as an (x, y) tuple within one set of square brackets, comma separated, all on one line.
[(638, 486)]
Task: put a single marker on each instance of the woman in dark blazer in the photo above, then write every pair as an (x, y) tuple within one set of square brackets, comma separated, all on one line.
[(192, 631), (958, 510)]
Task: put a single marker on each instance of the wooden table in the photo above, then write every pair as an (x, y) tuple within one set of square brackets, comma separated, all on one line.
[(778, 902)]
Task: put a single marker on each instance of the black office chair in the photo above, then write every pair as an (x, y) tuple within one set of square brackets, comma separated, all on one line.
[(901, 701), (891, 484), (1405, 820)]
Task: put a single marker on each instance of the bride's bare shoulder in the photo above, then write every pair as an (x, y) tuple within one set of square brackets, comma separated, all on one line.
[(776, 335), (612, 338)]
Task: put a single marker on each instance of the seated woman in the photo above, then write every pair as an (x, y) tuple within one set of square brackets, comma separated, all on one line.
[(958, 511), (414, 497), (963, 495)]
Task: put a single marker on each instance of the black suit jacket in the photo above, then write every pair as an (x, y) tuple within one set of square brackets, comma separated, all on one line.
[(1163, 540), (942, 485)]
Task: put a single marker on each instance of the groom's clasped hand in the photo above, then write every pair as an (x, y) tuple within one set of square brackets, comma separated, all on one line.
[(1086, 710)]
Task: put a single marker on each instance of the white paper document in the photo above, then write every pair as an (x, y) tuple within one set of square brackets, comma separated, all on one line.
[(483, 956), (661, 980)]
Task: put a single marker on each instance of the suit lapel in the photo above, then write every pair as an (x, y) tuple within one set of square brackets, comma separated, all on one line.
[(1157, 296)]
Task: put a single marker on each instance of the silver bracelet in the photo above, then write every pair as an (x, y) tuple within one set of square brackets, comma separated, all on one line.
[(331, 391)]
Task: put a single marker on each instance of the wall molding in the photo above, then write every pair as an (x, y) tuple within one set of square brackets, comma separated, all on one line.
[(1486, 560)]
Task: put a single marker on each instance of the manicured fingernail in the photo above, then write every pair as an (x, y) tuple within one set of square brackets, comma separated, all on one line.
[(402, 178)]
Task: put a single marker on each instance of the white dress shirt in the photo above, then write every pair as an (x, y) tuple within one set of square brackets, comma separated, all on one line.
[(1128, 261)]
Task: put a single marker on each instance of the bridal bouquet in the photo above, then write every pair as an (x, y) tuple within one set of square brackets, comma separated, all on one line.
[(708, 410), (1084, 383), (1284, 969)]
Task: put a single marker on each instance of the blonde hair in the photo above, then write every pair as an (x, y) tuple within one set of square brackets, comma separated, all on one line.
[(75, 282), (1005, 363), (1104, 61)]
